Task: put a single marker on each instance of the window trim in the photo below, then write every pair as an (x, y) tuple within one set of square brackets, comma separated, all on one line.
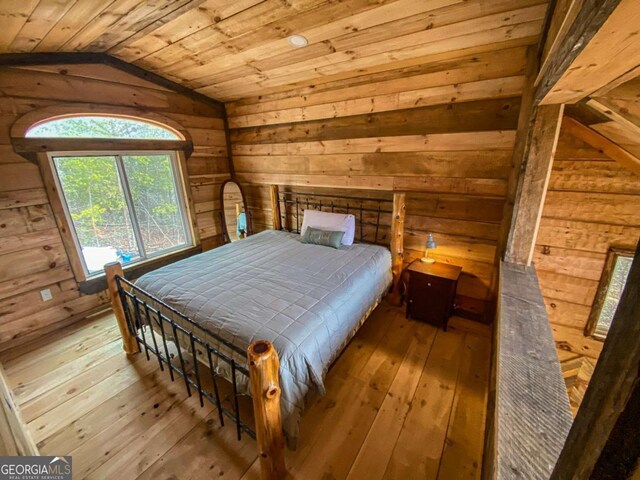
[(31, 147), (67, 228), (601, 293)]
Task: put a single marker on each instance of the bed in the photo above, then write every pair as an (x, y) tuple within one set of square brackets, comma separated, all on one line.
[(307, 300), (304, 301)]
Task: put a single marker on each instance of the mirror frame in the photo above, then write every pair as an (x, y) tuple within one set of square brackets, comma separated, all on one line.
[(225, 231)]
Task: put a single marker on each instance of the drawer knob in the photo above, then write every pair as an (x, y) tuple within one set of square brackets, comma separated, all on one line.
[(428, 284)]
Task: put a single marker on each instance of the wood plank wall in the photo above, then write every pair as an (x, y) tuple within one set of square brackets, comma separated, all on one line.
[(32, 256), (593, 204), (443, 132)]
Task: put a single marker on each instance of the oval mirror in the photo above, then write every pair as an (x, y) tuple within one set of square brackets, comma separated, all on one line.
[(235, 220)]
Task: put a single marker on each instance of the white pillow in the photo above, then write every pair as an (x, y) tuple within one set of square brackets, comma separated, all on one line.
[(335, 222)]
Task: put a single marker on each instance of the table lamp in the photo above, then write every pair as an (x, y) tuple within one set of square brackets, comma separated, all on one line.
[(429, 245)]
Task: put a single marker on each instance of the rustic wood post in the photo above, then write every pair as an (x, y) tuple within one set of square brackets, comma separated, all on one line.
[(264, 368), (129, 343), (397, 247), (535, 163), (275, 208)]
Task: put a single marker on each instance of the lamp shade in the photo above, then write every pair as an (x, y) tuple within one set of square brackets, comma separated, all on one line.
[(430, 243)]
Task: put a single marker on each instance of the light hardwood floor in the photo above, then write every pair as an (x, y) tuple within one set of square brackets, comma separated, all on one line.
[(404, 400)]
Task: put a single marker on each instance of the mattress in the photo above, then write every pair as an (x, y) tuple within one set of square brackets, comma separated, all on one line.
[(308, 300)]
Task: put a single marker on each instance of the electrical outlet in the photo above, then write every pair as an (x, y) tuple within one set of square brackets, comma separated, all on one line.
[(46, 295)]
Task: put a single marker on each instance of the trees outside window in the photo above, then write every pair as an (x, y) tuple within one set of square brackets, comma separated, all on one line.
[(98, 126), (612, 282), (125, 206)]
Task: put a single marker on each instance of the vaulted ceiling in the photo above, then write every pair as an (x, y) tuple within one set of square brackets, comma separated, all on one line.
[(230, 49)]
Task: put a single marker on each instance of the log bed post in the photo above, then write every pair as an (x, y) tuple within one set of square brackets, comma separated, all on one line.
[(129, 343), (264, 368), (275, 207), (397, 247)]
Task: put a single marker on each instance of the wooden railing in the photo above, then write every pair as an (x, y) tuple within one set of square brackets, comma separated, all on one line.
[(529, 415)]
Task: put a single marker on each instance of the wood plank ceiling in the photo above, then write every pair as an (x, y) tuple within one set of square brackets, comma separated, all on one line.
[(231, 49)]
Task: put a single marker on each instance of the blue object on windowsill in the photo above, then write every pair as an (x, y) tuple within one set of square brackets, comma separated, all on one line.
[(124, 256), (241, 228)]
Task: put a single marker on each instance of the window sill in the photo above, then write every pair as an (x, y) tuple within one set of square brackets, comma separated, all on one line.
[(99, 282)]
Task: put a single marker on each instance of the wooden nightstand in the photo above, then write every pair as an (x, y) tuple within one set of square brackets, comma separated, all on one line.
[(432, 291)]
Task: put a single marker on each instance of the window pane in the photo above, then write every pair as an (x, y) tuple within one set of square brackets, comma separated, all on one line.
[(155, 201), (614, 292), (98, 209), (100, 127)]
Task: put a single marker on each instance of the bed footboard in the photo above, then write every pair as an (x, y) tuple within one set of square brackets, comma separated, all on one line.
[(136, 320)]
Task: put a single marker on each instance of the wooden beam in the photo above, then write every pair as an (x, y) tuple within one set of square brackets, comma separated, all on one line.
[(615, 114), (535, 169), (600, 47), (600, 142), (129, 343), (397, 232), (276, 219), (28, 146), (562, 18), (524, 123), (397, 246), (62, 58), (264, 371), (630, 75), (603, 442)]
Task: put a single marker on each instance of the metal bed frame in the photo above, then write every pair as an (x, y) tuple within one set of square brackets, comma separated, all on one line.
[(299, 201), (137, 317), (140, 316)]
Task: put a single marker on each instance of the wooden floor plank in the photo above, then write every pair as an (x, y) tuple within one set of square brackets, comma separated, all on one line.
[(46, 425), (29, 384), (213, 451), (148, 447), (403, 401), (125, 406), (51, 359), (65, 337), (459, 324), (419, 448), (377, 447), (111, 441), (362, 346), (462, 455), (357, 402), (75, 386)]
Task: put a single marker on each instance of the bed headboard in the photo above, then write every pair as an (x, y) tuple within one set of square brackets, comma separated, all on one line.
[(372, 214), (379, 219)]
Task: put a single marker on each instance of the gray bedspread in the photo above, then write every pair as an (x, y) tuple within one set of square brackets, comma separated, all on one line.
[(305, 299)]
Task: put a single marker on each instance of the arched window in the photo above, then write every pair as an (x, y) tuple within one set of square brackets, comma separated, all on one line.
[(122, 199), (101, 126)]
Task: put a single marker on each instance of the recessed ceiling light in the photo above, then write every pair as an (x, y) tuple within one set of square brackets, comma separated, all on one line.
[(298, 41)]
